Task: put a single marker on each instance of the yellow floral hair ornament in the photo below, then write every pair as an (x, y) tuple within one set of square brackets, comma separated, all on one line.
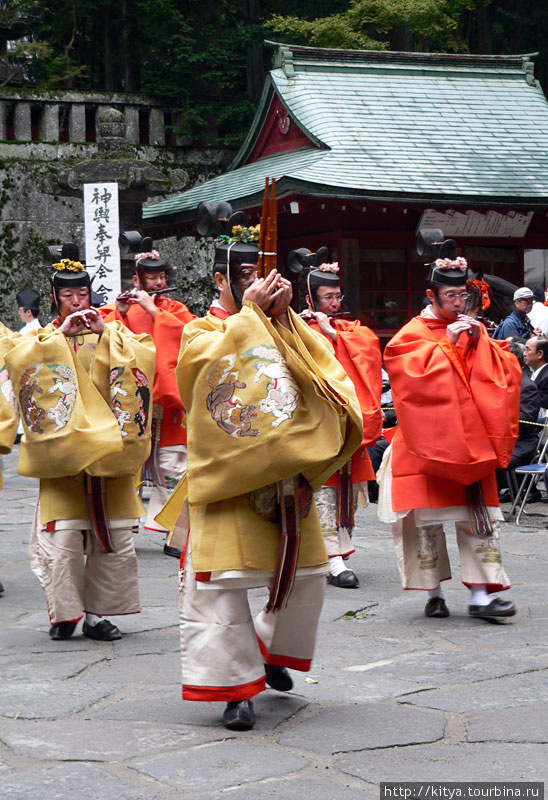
[(68, 264), (247, 235)]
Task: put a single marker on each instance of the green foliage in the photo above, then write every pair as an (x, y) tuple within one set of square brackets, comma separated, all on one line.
[(367, 24), (203, 59), (205, 46)]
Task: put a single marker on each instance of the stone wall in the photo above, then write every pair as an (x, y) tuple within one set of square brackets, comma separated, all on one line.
[(41, 197)]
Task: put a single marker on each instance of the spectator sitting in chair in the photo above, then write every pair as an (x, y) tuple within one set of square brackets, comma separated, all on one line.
[(526, 445)]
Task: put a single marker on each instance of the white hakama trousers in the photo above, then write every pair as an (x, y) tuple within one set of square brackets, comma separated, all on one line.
[(172, 463), (77, 578), (223, 650), (338, 540), (423, 562)]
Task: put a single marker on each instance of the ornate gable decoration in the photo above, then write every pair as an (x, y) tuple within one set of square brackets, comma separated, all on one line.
[(278, 134)]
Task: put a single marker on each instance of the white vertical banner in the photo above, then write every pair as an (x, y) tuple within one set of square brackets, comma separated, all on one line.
[(101, 224)]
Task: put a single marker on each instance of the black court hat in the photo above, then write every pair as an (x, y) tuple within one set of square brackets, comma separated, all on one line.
[(28, 298)]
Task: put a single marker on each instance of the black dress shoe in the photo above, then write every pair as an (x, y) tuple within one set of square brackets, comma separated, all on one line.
[(505, 497), (239, 715), (278, 678), (172, 551), (104, 631), (496, 608), (344, 580), (436, 607), (62, 631)]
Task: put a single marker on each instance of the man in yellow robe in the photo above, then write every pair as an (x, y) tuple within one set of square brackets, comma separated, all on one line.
[(82, 388), (271, 415)]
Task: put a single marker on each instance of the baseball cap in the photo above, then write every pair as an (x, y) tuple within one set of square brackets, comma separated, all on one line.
[(523, 294)]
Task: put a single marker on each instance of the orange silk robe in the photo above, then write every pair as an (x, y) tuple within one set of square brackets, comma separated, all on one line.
[(166, 330), (457, 408), (357, 350)]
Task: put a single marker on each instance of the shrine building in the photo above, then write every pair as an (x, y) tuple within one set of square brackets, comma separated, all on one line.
[(368, 147)]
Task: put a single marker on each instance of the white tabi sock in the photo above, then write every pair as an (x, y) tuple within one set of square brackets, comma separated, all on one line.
[(337, 565), (478, 596), (92, 619), (436, 593)]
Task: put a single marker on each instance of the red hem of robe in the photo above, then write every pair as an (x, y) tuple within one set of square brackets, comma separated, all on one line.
[(276, 660), (227, 693)]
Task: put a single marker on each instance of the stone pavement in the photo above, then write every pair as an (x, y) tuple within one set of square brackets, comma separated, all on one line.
[(392, 695)]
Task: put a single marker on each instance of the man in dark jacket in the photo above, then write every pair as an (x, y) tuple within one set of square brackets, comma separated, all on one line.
[(517, 323), (535, 356)]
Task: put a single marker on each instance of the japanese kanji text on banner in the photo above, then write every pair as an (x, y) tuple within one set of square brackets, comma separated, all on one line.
[(101, 229)]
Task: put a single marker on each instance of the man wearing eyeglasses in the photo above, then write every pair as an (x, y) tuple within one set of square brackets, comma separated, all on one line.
[(456, 394), (357, 349), (517, 323)]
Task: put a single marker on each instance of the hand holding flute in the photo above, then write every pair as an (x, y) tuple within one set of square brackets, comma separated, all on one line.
[(144, 299), (464, 324)]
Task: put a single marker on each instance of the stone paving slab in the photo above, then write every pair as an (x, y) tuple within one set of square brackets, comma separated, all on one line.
[(334, 685), (13, 549), (75, 781), (296, 788), (489, 638), (165, 667), (164, 705), (50, 667), (449, 762), (344, 639), (518, 725), (48, 700), (346, 728), (220, 766), (453, 667), (155, 642), (525, 689), (93, 740)]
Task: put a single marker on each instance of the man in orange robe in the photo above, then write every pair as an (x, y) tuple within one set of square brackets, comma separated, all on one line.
[(357, 350), (456, 394), (164, 319)]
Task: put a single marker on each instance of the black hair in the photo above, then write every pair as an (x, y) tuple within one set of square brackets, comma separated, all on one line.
[(517, 347), (236, 262), (435, 287), (542, 344), (34, 309)]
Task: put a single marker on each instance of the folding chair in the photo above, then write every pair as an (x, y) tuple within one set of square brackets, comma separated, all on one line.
[(530, 473)]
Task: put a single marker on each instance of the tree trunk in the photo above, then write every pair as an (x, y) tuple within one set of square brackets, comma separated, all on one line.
[(400, 38), (485, 43), (254, 64), (107, 56), (129, 71)]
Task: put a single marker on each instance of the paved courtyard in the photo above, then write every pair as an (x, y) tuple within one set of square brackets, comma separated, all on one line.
[(392, 696)]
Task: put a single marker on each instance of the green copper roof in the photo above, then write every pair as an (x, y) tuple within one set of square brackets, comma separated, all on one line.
[(395, 125)]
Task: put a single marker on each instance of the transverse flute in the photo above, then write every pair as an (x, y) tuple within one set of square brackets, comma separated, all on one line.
[(131, 294)]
